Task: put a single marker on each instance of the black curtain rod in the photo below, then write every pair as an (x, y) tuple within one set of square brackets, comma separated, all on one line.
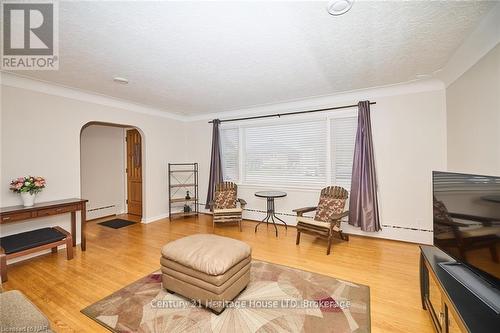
[(291, 113)]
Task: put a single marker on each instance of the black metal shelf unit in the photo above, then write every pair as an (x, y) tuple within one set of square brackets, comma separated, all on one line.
[(182, 177)]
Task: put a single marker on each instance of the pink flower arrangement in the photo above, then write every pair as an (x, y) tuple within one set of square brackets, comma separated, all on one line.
[(27, 184)]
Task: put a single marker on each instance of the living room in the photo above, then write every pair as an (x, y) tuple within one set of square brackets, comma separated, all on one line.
[(155, 115)]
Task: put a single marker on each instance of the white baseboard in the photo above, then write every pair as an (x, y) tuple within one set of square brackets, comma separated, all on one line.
[(105, 211), (154, 218)]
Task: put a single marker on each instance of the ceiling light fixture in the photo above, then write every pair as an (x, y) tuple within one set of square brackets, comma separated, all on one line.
[(339, 7), (120, 80)]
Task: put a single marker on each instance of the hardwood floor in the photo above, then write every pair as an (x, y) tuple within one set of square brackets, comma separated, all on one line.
[(115, 258)]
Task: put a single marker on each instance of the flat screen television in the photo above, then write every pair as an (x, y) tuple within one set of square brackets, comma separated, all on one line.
[(466, 216)]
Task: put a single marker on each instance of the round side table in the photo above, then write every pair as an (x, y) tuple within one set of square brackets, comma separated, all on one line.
[(271, 214)]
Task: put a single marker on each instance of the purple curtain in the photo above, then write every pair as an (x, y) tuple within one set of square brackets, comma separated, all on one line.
[(215, 164), (363, 203)]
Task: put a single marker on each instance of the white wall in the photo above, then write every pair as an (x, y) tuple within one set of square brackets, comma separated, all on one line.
[(40, 127), (473, 118), (409, 133), (409, 127), (103, 170), (40, 135)]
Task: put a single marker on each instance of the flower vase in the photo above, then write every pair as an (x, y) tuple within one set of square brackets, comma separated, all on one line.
[(28, 199)]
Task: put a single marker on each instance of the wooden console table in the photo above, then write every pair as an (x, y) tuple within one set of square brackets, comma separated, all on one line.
[(43, 209)]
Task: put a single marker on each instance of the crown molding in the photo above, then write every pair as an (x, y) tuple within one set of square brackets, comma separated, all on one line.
[(324, 101), (22, 82), (482, 40)]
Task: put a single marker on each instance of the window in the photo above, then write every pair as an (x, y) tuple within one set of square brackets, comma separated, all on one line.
[(343, 137), (230, 153), (285, 154), (310, 153)]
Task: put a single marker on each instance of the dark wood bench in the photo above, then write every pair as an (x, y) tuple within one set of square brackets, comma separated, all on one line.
[(25, 243)]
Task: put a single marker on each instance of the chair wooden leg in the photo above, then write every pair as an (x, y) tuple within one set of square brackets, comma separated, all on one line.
[(343, 236), (461, 251), (3, 266), (329, 245), (54, 249), (69, 247), (239, 223), (493, 252), (297, 241)]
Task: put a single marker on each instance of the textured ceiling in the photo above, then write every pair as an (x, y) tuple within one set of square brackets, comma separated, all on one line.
[(201, 57)]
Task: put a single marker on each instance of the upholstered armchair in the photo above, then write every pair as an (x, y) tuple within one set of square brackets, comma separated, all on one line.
[(329, 213), (226, 206)]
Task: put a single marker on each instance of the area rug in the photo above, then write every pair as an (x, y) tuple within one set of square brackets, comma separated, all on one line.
[(277, 299), (116, 223)]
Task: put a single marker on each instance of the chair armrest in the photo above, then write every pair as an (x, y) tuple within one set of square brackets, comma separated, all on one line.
[(301, 211), (452, 224), (242, 202), (336, 217), (486, 221)]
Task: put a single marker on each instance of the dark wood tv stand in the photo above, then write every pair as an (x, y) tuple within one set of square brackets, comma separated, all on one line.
[(451, 306)]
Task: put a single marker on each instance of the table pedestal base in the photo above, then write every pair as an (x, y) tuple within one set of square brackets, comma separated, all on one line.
[(271, 215)]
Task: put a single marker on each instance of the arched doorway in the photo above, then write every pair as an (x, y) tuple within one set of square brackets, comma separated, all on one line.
[(112, 170)]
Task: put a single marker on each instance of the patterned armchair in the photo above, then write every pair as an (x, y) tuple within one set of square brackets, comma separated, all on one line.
[(225, 205), (329, 212)]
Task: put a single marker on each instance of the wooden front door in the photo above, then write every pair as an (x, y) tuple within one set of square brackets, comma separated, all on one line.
[(134, 172)]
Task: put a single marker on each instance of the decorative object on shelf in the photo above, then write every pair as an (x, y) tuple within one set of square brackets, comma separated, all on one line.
[(182, 177), (28, 199), (28, 187)]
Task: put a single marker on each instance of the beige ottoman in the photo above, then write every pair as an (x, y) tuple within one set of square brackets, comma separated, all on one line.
[(207, 268)]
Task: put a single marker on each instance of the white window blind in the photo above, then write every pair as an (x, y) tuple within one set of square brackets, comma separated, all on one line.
[(290, 154), (343, 137), (286, 154), (230, 141)]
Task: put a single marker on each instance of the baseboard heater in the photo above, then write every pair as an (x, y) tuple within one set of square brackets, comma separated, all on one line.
[(259, 211), (98, 212), (405, 228), (265, 212)]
